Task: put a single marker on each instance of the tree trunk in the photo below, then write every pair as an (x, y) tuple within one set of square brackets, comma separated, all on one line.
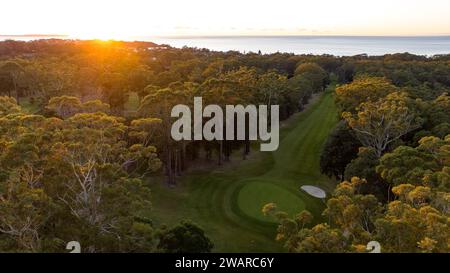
[(176, 162), (227, 151), (247, 147), (220, 152), (171, 179), (183, 156), (15, 91)]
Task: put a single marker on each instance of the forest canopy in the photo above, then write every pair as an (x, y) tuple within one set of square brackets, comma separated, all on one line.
[(85, 133)]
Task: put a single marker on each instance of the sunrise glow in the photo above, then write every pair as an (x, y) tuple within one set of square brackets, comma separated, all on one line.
[(120, 19)]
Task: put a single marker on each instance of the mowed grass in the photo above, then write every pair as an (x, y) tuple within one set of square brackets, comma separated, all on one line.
[(255, 194), (226, 202), (131, 105), (28, 106)]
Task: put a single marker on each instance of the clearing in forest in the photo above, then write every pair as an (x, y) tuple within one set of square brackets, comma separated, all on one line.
[(226, 202)]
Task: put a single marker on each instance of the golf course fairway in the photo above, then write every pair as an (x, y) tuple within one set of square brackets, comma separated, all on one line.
[(226, 201)]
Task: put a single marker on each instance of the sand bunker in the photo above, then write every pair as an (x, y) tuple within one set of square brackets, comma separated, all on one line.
[(314, 191)]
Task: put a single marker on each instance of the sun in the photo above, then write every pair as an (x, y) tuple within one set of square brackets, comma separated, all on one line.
[(99, 36), (113, 31)]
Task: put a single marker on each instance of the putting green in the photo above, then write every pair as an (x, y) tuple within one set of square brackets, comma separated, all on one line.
[(254, 195)]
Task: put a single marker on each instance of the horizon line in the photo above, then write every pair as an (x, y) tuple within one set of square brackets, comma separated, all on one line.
[(226, 35)]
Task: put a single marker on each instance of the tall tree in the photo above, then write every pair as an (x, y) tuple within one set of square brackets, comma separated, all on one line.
[(316, 74), (340, 149), (15, 71), (185, 237), (362, 89), (378, 124)]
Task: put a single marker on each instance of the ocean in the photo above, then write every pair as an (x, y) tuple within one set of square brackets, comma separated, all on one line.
[(334, 45)]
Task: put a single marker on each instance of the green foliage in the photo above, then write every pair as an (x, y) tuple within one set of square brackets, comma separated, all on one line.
[(438, 111), (364, 166), (8, 105), (72, 179), (381, 123), (362, 89), (114, 87), (71, 171), (423, 165), (339, 150), (67, 106), (316, 74), (409, 224), (185, 237)]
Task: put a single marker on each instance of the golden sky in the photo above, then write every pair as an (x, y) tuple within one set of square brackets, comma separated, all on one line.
[(136, 18)]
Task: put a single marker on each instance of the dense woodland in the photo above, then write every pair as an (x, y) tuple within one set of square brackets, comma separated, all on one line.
[(85, 125)]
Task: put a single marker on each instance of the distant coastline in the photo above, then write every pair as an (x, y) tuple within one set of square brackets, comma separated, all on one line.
[(294, 35), (315, 44), (337, 45), (145, 37)]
